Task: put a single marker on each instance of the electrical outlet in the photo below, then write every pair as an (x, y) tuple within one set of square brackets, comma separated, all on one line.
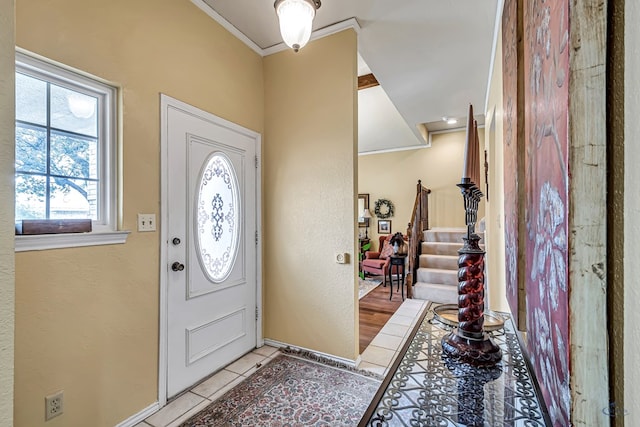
[(53, 405), (342, 258), (146, 222)]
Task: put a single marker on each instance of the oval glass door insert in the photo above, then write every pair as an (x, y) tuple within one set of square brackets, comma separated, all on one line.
[(218, 215)]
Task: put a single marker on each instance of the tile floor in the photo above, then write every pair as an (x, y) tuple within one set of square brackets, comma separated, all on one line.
[(203, 394), (376, 358), (384, 348)]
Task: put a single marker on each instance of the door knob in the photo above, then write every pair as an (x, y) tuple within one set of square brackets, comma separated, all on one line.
[(176, 241), (176, 266)]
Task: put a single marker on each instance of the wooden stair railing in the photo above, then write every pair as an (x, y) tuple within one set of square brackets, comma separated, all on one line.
[(419, 223)]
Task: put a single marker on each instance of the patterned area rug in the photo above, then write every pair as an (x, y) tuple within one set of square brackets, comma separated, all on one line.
[(366, 286), (291, 392)]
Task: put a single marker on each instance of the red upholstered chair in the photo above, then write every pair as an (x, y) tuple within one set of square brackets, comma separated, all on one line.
[(373, 264)]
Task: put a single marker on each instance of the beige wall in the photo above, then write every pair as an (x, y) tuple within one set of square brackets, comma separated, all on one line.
[(7, 143), (632, 210), (495, 206), (87, 318), (310, 195), (394, 176)]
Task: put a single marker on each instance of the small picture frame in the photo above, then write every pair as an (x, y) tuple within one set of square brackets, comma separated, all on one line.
[(363, 203), (384, 226)]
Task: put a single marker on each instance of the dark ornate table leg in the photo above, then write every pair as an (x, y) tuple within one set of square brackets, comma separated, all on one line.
[(402, 283), (390, 281)]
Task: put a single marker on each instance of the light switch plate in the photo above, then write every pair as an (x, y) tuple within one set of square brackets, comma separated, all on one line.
[(146, 222)]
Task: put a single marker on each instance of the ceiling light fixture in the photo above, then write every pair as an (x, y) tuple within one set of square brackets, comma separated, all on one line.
[(449, 120), (296, 17), (81, 106)]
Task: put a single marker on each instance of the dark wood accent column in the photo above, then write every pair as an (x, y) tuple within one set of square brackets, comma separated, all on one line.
[(367, 81)]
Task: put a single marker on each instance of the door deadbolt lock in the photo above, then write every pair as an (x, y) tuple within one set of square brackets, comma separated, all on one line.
[(176, 266), (175, 241)]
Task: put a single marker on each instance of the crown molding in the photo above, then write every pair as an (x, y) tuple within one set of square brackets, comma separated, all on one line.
[(228, 26), (394, 150), (317, 34)]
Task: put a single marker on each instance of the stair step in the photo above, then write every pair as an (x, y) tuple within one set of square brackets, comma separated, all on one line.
[(449, 235), (445, 262), (437, 275), (440, 248), (436, 292)]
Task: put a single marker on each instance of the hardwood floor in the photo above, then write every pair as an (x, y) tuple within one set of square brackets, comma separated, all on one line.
[(375, 310)]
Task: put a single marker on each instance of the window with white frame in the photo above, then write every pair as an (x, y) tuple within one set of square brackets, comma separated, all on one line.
[(65, 145)]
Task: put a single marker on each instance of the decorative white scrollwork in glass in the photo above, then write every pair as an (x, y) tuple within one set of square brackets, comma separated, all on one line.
[(217, 217)]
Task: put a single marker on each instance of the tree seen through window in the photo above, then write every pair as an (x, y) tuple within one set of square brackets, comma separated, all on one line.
[(57, 151)]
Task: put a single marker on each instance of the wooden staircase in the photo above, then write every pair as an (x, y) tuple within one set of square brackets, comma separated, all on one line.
[(437, 270), (432, 273)]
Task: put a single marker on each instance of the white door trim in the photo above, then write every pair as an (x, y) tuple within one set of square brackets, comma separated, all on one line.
[(167, 102)]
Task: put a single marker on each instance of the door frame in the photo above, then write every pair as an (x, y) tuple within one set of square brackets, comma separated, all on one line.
[(166, 102)]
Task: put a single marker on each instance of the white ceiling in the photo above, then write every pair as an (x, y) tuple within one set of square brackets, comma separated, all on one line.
[(431, 57)]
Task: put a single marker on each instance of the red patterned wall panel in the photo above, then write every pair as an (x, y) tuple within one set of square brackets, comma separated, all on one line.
[(546, 98), (510, 136)]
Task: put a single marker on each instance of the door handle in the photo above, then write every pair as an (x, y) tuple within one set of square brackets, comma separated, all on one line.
[(176, 266)]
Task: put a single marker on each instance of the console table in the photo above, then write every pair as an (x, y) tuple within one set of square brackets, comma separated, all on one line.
[(423, 388)]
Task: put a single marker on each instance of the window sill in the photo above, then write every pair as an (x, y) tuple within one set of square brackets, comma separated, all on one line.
[(41, 242)]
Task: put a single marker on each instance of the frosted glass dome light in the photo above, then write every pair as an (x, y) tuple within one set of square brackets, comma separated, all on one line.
[(296, 17)]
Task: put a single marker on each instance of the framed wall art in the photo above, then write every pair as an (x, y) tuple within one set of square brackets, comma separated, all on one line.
[(384, 226)]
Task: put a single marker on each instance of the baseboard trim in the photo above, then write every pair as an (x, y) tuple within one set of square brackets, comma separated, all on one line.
[(140, 416), (278, 344)]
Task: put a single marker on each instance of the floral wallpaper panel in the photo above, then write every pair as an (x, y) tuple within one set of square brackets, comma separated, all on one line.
[(510, 94), (546, 72)]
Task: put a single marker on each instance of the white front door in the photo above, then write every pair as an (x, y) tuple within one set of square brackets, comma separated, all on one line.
[(211, 228)]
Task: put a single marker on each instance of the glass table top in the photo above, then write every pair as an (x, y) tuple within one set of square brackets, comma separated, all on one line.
[(429, 389)]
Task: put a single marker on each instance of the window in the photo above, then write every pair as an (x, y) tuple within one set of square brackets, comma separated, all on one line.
[(65, 151)]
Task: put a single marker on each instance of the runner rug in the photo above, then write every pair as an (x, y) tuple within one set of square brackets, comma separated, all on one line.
[(292, 392), (366, 286)]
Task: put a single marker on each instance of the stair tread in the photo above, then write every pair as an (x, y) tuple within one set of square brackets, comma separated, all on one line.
[(443, 243), (445, 262), (440, 256), (450, 244), (437, 275), (451, 229), (439, 270), (436, 292), (435, 284)]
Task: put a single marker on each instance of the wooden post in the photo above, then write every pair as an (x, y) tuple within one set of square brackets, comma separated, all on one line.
[(587, 213)]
